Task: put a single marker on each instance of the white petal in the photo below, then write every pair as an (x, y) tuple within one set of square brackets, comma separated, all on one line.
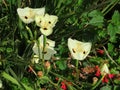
[(79, 50), (38, 20), (39, 11), (50, 43), (46, 32), (49, 49), (50, 52), (52, 18), (46, 23), (26, 14)]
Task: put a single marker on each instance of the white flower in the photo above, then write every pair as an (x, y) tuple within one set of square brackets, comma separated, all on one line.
[(79, 50), (27, 15), (49, 48), (46, 23), (105, 70)]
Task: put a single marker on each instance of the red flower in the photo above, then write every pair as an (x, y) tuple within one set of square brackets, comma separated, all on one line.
[(63, 86), (100, 51), (97, 71), (105, 80), (111, 76), (107, 77)]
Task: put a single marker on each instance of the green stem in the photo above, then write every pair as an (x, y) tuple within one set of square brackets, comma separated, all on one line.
[(50, 81), (77, 64), (77, 71), (109, 7), (30, 33), (38, 45), (44, 45), (109, 56)]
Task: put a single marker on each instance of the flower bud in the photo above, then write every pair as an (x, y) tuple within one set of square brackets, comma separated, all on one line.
[(40, 73), (47, 64), (95, 79)]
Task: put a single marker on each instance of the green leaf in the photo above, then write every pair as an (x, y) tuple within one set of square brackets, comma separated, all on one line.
[(61, 64), (106, 88), (9, 50), (116, 87), (10, 78), (59, 3), (116, 18), (97, 21), (112, 30), (2, 49), (71, 87), (97, 18), (117, 82), (116, 22), (110, 47), (102, 33), (14, 81), (95, 13), (80, 2), (44, 79), (118, 60)]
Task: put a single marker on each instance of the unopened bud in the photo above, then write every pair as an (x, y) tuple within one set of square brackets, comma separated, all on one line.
[(40, 73), (95, 79), (47, 64)]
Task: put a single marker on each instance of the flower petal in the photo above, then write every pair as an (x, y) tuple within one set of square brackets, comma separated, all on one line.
[(27, 15), (46, 32), (49, 48)]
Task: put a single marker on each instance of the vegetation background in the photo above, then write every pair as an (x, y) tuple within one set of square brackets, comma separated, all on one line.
[(97, 21)]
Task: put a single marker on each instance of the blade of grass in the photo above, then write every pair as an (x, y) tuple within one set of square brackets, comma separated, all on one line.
[(14, 81)]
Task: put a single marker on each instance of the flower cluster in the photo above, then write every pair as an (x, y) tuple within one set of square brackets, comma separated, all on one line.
[(44, 48)]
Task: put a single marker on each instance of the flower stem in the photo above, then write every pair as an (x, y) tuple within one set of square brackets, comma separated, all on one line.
[(109, 7), (110, 56), (44, 45), (30, 32), (77, 71)]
